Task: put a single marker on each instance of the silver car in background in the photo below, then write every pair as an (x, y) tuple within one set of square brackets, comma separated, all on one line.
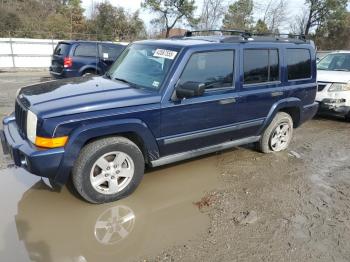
[(333, 77)]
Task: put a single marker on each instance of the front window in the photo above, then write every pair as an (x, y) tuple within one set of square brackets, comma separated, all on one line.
[(335, 62), (214, 69), (143, 66)]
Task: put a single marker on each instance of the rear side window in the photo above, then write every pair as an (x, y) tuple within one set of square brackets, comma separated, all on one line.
[(299, 64), (62, 49), (261, 66), (214, 69), (111, 52), (86, 50)]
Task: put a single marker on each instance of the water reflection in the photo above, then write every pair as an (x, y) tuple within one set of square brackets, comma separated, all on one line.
[(56, 226), (113, 225)]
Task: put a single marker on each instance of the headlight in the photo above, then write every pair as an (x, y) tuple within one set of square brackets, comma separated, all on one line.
[(32, 122), (337, 87)]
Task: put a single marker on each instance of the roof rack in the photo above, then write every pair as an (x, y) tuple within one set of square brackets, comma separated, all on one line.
[(247, 36), (241, 33)]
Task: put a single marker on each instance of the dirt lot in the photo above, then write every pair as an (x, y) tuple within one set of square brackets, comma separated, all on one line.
[(238, 205)]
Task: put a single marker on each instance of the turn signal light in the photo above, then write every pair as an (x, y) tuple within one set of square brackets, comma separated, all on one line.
[(51, 142)]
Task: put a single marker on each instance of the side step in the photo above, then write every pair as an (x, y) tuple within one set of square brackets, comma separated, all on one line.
[(203, 151)]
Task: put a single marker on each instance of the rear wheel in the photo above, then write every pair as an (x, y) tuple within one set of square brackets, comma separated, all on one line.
[(108, 169), (89, 72), (277, 135)]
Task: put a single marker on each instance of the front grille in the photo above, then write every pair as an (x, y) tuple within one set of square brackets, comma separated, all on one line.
[(320, 87), (21, 118)]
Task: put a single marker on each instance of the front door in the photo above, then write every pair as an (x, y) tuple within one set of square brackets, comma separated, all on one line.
[(197, 122)]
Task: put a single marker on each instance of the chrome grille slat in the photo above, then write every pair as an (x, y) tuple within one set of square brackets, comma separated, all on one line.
[(21, 118)]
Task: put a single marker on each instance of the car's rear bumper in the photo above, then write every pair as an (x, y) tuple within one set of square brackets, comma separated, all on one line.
[(66, 73), (38, 161)]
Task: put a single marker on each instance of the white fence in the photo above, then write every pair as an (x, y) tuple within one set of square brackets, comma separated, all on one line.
[(26, 53)]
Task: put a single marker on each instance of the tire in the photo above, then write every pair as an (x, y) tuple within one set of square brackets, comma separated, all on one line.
[(108, 169), (89, 73), (274, 132), (347, 117)]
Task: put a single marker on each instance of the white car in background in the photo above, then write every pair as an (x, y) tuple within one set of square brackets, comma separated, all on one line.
[(333, 77)]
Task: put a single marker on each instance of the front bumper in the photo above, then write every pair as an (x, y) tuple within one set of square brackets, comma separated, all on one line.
[(334, 106), (38, 161)]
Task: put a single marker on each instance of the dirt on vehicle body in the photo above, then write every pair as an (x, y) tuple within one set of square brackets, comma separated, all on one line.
[(239, 205)]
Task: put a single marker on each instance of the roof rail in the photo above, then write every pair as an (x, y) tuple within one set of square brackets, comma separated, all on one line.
[(241, 33), (278, 36)]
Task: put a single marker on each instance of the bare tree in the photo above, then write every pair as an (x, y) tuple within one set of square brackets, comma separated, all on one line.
[(275, 14), (211, 15), (298, 24)]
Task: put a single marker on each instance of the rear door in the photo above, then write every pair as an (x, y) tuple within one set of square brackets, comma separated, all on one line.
[(86, 57), (61, 51), (261, 85)]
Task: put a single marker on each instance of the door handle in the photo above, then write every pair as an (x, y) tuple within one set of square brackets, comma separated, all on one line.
[(274, 94), (227, 101)]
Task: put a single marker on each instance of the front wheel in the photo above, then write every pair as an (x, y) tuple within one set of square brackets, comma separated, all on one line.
[(277, 135), (108, 169)]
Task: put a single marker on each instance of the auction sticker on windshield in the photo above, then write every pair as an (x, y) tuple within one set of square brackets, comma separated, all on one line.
[(163, 53)]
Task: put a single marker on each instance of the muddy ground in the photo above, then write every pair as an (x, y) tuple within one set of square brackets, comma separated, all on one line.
[(238, 205)]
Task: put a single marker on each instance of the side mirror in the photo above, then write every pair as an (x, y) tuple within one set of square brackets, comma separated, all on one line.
[(190, 89)]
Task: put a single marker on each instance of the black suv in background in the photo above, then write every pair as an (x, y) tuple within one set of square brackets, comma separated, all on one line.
[(78, 58)]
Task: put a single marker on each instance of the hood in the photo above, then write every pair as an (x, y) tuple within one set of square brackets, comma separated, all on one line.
[(84, 94), (333, 76)]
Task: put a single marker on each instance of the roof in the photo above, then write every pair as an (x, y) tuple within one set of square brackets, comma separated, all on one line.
[(92, 42)]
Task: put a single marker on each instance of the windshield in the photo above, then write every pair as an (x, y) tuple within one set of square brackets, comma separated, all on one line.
[(143, 66), (335, 62)]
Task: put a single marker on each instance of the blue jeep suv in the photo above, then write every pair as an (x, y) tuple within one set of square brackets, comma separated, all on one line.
[(79, 58), (163, 101)]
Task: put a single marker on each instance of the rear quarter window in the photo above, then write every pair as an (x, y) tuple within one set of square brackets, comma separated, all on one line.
[(62, 49), (86, 50), (298, 64)]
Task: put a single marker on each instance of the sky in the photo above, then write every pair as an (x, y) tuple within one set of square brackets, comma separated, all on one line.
[(294, 6)]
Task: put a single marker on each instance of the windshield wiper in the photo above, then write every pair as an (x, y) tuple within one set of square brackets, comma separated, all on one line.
[(126, 82)]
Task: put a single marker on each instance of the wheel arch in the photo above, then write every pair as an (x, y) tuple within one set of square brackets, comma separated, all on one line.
[(87, 68), (291, 106), (133, 129)]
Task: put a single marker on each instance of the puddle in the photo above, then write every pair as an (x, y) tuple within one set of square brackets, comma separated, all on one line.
[(37, 224)]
